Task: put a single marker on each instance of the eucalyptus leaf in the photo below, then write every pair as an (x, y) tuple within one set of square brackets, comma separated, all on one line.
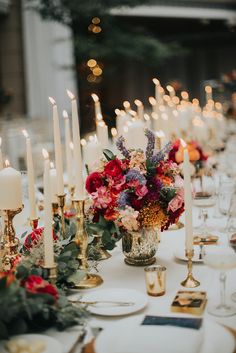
[(109, 154)]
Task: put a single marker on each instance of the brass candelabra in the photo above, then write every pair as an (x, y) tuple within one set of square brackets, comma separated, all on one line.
[(51, 273), (81, 239), (190, 281), (34, 223), (10, 241)]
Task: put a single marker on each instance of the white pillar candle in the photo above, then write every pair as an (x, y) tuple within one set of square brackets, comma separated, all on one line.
[(53, 183), (10, 188), (102, 134), (92, 152), (121, 120), (48, 233), (79, 184), (97, 105), (30, 174), (58, 148), (187, 200), (148, 122), (135, 135), (69, 168), (155, 121), (1, 159)]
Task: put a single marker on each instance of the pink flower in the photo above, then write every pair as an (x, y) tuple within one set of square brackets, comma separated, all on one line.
[(179, 182), (141, 190), (134, 183), (177, 201), (101, 198)]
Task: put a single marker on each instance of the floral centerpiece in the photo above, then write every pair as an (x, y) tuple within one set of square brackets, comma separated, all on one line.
[(197, 156), (140, 192)]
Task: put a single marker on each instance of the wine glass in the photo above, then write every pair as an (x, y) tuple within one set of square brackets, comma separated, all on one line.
[(232, 243), (204, 197), (223, 261), (226, 190)]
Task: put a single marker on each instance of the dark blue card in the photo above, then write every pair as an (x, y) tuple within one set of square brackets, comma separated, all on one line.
[(173, 321)]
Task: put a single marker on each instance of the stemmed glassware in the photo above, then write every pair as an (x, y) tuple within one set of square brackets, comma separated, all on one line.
[(204, 197), (222, 261)]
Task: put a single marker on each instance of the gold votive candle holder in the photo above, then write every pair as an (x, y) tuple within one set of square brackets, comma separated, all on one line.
[(155, 277)]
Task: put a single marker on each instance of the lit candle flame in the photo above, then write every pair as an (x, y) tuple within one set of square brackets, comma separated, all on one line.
[(183, 143), (146, 117), (195, 101), (113, 132), (155, 116), (70, 94), (175, 100), (156, 81), (25, 133), (208, 89), (184, 95), (152, 101), (138, 103), (95, 97), (117, 111), (126, 104), (52, 100), (65, 114), (7, 163), (101, 123), (218, 106), (45, 153), (170, 88), (83, 142)]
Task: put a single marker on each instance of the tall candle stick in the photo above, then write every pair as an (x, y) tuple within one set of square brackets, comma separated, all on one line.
[(157, 92), (97, 105), (30, 172), (208, 92), (187, 200), (58, 148), (10, 188), (47, 234), (127, 106), (69, 168), (53, 183), (79, 185), (140, 108), (102, 134), (1, 159)]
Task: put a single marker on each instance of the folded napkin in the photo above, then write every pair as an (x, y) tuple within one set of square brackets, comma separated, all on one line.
[(173, 321)]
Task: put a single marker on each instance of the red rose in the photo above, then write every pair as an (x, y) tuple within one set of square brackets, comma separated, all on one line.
[(113, 168), (93, 182), (37, 285)]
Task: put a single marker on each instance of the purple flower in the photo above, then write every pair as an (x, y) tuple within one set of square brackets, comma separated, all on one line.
[(134, 174), (154, 186), (151, 143), (123, 200), (161, 154), (120, 144)]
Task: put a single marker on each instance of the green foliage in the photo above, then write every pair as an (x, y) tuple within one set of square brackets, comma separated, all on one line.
[(107, 229), (166, 195), (109, 154), (22, 312)]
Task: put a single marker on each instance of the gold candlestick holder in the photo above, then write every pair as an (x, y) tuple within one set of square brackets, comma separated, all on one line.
[(51, 273), (104, 254), (81, 239), (11, 243), (190, 281), (61, 204), (34, 223)]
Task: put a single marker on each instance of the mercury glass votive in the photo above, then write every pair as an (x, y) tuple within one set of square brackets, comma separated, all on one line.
[(155, 277)]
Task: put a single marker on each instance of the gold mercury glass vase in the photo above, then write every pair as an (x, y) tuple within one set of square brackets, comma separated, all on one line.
[(139, 247)]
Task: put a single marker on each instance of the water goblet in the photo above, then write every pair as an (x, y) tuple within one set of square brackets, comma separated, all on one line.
[(223, 261)]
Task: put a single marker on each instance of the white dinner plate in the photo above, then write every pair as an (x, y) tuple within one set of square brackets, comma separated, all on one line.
[(135, 338), (51, 345), (118, 295)]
